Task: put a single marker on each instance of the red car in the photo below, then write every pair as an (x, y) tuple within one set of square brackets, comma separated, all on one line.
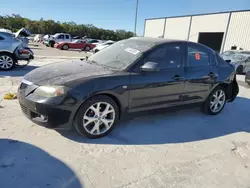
[(76, 44)]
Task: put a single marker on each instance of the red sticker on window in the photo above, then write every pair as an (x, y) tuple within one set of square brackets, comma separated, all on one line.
[(197, 56)]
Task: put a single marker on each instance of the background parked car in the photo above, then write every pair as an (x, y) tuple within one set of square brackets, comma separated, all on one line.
[(76, 44), (58, 37), (12, 49), (103, 45), (38, 37), (240, 60)]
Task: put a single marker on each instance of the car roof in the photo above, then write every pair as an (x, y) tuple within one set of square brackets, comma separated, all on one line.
[(158, 41), (155, 40)]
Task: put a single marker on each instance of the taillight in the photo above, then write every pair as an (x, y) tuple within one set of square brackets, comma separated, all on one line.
[(23, 51)]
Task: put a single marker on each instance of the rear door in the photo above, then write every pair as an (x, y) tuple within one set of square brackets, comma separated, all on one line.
[(163, 88), (200, 73)]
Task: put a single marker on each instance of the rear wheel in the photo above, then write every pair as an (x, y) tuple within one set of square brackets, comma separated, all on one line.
[(215, 102), (97, 117), (65, 47), (7, 61), (51, 44)]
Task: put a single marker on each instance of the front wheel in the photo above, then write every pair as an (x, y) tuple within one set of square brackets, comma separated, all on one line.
[(87, 48), (7, 61), (65, 47), (97, 117), (215, 102)]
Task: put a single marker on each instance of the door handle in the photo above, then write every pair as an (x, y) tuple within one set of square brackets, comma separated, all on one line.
[(178, 78), (212, 75)]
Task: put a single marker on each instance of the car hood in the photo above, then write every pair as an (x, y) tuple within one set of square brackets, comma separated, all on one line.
[(63, 72)]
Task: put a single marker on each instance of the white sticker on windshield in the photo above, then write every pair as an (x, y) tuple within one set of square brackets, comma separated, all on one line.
[(132, 51)]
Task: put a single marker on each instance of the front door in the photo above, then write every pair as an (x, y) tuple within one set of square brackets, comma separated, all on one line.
[(162, 88), (200, 73)]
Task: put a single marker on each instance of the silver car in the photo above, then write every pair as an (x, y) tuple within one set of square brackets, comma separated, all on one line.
[(12, 50), (240, 60)]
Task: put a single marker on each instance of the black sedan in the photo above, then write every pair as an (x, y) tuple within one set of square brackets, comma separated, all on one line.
[(131, 75)]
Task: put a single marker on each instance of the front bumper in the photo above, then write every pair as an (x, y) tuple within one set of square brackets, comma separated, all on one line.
[(48, 115)]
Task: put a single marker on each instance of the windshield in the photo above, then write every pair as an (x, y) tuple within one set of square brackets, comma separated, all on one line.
[(239, 57), (121, 54)]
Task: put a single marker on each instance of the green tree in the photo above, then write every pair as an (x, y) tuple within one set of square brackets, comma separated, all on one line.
[(15, 22)]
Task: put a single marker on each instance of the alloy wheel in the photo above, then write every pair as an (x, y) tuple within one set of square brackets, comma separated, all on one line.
[(87, 48), (6, 62), (218, 100), (99, 118), (65, 47)]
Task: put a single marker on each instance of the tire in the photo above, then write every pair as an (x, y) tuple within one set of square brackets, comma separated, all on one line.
[(87, 48), (96, 51), (7, 61), (207, 106), (239, 69), (91, 119), (65, 47), (51, 44)]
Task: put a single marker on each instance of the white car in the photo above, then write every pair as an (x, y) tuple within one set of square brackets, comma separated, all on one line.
[(38, 38), (103, 45)]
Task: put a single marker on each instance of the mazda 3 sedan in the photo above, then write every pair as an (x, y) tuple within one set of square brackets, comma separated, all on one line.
[(131, 75)]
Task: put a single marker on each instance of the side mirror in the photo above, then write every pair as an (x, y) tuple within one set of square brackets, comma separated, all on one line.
[(228, 61), (150, 67)]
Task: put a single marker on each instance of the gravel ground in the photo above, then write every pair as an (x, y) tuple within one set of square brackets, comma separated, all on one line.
[(171, 149)]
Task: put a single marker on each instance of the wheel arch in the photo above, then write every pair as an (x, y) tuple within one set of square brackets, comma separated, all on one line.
[(110, 95), (9, 53)]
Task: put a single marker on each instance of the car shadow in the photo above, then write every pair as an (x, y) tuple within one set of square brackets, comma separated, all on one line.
[(175, 127), (25, 165), (18, 71)]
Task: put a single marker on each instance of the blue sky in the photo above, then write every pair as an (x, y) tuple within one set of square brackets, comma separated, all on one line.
[(115, 14)]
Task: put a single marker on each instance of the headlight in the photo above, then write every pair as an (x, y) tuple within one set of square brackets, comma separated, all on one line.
[(51, 91)]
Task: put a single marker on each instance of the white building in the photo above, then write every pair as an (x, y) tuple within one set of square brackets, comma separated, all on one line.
[(221, 31)]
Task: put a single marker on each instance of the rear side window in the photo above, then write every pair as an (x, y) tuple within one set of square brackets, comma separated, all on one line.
[(198, 56), (1, 38), (167, 56)]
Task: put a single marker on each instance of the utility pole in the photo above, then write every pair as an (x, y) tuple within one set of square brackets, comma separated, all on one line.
[(136, 11)]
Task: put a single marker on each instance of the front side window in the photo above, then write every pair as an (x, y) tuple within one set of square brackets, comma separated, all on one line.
[(198, 56), (1, 38), (67, 36), (167, 56)]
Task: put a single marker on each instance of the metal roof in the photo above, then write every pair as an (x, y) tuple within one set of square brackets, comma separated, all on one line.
[(199, 14)]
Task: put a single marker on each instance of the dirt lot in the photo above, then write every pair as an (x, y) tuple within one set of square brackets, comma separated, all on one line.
[(172, 149), (41, 50)]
